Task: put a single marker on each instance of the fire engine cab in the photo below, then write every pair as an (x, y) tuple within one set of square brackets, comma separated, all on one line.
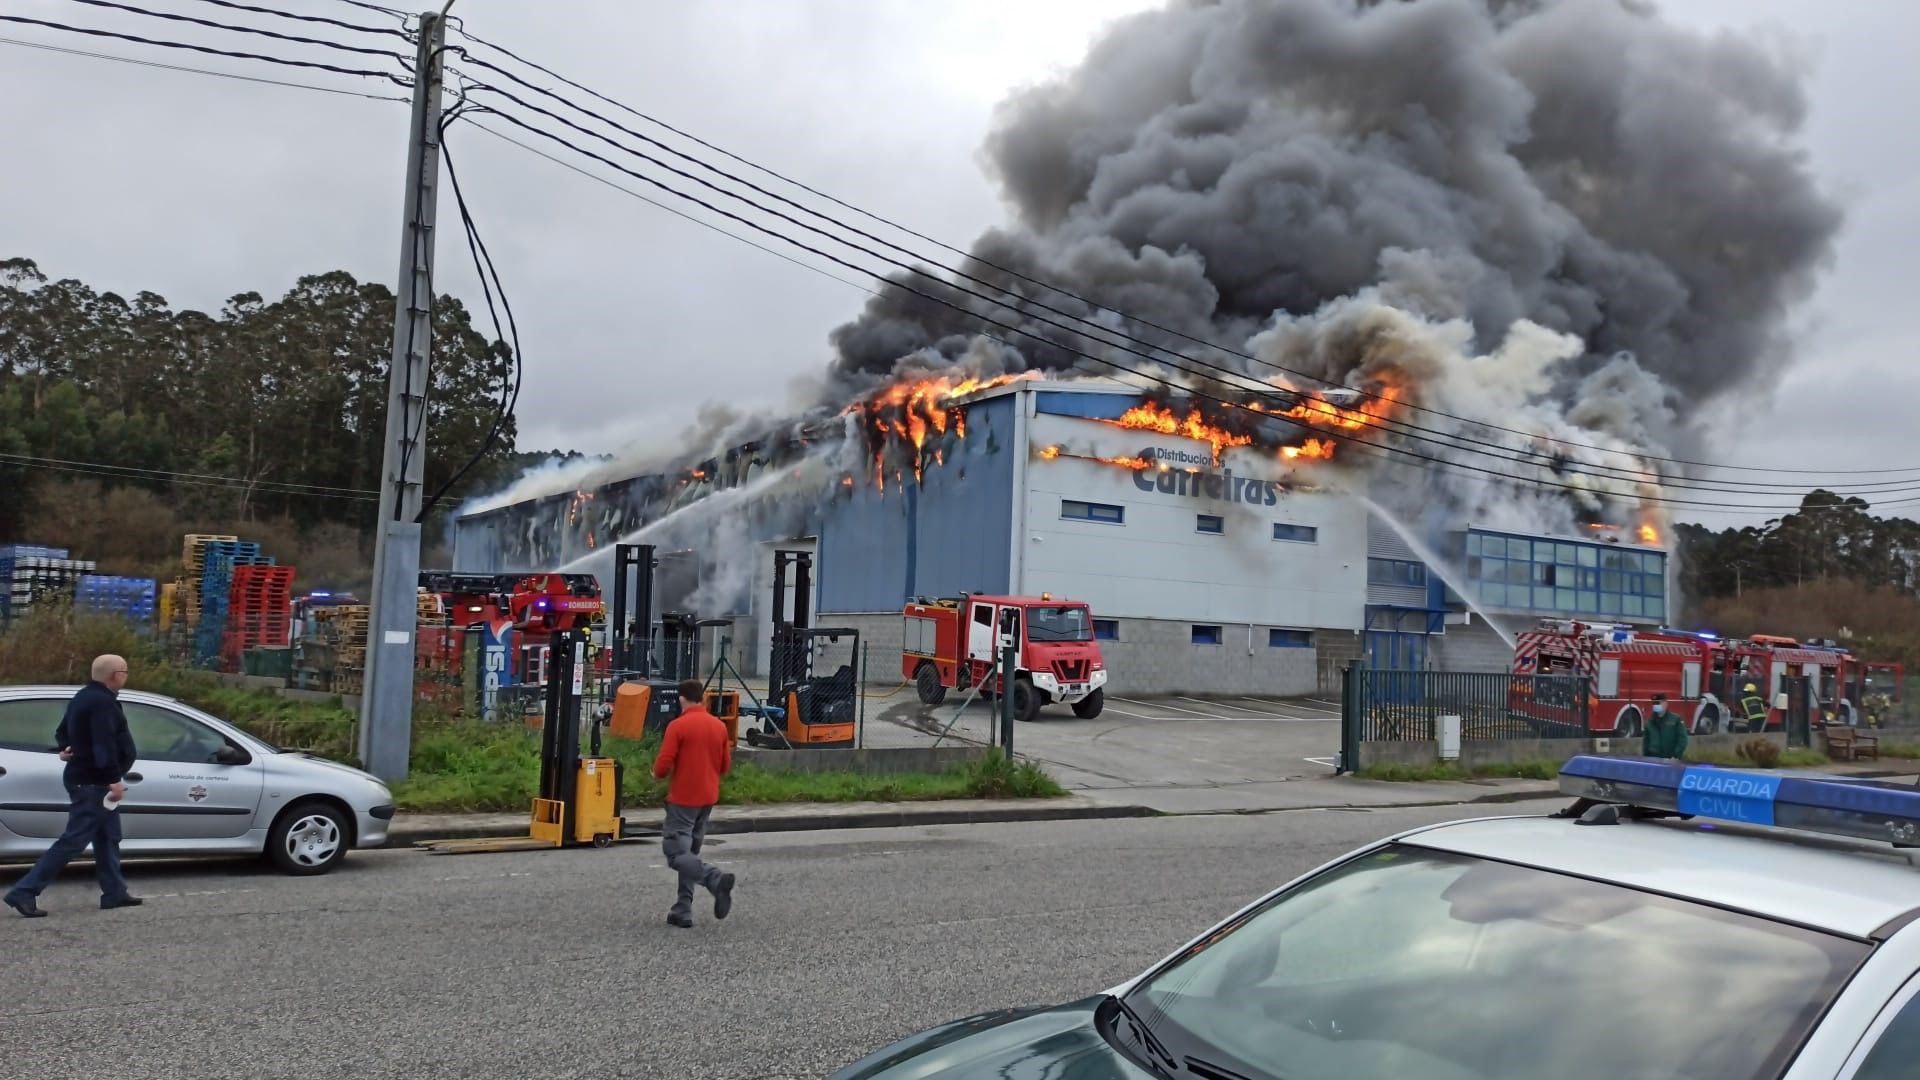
[(1704, 676), (953, 644)]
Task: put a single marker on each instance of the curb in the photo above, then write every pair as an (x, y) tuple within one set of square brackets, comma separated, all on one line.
[(402, 835)]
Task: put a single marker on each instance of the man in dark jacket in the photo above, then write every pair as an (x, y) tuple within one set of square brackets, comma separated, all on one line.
[(98, 750), (1666, 733)]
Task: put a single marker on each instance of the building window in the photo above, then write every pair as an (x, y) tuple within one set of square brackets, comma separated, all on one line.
[(1106, 630), (1299, 534), (1278, 638), (1210, 523), (1105, 513), (1206, 635), (1396, 572)]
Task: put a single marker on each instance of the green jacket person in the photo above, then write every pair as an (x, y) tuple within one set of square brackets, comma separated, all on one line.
[(1666, 733)]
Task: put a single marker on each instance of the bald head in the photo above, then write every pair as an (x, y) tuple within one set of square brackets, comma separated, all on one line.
[(110, 670)]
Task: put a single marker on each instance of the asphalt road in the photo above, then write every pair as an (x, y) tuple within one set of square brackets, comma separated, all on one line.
[(560, 964)]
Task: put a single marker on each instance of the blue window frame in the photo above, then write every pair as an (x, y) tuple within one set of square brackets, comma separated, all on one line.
[(1278, 638), (1206, 635), (1209, 523), (1105, 513), (1106, 630), (1298, 534)]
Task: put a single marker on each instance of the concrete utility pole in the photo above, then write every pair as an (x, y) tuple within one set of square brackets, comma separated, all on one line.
[(386, 698)]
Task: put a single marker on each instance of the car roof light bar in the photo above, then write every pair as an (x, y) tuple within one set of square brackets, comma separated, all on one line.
[(1862, 809)]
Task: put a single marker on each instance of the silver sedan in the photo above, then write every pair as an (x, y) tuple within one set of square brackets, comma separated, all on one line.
[(200, 786)]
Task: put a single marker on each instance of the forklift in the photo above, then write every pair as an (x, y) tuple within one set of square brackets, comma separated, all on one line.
[(805, 710), (646, 697), (578, 801)]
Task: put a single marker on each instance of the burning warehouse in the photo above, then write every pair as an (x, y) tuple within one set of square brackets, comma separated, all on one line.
[(1223, 548)]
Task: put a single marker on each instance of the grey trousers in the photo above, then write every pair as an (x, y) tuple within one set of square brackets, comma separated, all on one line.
[(681, 835)]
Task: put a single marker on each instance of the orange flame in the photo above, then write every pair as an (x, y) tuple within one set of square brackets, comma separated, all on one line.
[(914, 409), (1137, 464), (1312, 450), (1320, 412), (1649, 534), (1153, 417), (1048, 453)]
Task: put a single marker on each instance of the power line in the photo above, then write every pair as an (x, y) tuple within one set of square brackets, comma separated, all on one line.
[(121, 472), (1446, 440), (1327, 432), (1043, 284), (208, 49), (199, 71), (598, 179), (1508, 455), (342, 46), (342, 24), (483, 267)]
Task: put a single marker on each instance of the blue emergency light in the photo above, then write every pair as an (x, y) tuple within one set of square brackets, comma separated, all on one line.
[(1810, 802)]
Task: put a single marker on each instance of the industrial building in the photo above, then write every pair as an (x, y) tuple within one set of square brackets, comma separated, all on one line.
[(1210, 568)]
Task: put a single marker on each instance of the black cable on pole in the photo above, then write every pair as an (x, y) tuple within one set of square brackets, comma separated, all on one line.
[(199, 71), (483, 267), (92, 32), (1188, 391), (1226, 376), (127, 472), (341, 23), (363, 50), (481, 62)]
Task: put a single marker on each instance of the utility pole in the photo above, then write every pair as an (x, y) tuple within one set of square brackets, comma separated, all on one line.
[(386, 698)]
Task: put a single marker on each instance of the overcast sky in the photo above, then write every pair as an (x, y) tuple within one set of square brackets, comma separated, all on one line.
[(135, 178)]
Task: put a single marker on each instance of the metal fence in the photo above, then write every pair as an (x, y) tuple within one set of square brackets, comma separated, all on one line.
[(1394, 706)]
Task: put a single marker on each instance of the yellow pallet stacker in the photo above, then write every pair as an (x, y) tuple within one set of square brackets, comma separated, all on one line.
[(579, 798)]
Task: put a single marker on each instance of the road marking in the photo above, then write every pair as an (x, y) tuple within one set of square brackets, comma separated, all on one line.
[(1323, 701), (1300, 709), (1164, 705), (1327, 761), (1135, 715), (1221, 704), (203, 892)]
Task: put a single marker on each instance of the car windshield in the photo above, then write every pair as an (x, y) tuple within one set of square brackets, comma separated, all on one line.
[(1410, 962), (1059, 624)]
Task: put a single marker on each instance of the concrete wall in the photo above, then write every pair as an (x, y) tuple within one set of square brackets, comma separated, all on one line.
[(1157, 656)]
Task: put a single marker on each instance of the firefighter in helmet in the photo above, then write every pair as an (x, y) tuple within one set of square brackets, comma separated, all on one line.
[(1753, 708)]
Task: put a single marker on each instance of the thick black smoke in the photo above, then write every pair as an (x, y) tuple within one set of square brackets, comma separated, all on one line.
[(1582, 165)]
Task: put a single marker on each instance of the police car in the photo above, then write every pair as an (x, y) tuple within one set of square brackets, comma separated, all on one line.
[(1688, 921)]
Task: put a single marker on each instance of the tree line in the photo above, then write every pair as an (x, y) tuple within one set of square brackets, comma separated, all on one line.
[(1828, 570), (264, 411)]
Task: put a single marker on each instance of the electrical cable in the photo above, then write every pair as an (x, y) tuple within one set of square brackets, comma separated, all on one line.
[(200, 71), (1447, 440), (483, 267), (208, 49), (1223, 375), (127, 472), (1188, 391), (364, 50), (481, 62), (342, 24)]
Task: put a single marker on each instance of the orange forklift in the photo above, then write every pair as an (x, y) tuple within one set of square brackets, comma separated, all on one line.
[(811, 700)]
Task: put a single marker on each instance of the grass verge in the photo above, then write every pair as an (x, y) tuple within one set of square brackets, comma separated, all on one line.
[(1512, 770), (471, 769)]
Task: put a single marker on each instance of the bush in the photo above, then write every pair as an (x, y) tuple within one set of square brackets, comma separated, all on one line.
[(1760, 750), (992, 776)]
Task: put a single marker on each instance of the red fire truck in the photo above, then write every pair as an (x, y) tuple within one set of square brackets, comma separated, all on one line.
[(518, 615), (953, 643), (1704, 676)]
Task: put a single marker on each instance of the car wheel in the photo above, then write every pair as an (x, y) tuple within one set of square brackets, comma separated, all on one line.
[(1708, 720), (1089, 707), (310, 838), (927, 682), (1628, 725)]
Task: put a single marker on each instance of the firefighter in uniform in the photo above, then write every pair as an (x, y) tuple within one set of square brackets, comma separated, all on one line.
[(1753, 708)]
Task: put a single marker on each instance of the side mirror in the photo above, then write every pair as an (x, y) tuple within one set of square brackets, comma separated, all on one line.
[(231, 755)]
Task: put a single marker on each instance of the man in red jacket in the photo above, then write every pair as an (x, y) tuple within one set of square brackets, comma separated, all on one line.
[(696, 752)]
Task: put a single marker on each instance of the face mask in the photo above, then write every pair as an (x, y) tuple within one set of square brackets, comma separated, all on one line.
[(1659, 710)]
